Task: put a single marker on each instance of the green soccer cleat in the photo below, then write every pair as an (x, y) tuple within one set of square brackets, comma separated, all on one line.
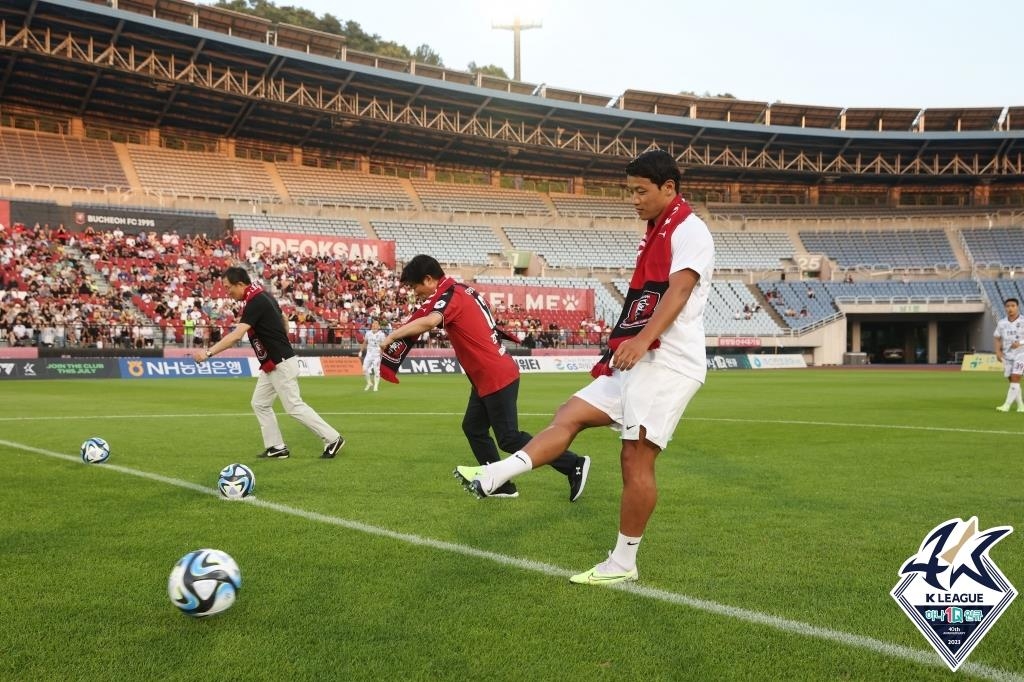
[(470, 479), (596, 576), (1003, 408)]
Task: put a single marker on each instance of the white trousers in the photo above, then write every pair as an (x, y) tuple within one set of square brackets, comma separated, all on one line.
[(283, 383), (371, 365)]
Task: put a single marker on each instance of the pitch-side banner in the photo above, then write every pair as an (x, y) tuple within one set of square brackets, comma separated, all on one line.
[(319, 246), (781, 361), (536, 299), (981, 362)]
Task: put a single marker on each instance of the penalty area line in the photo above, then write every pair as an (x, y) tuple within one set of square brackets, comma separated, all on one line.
[(926, 658)]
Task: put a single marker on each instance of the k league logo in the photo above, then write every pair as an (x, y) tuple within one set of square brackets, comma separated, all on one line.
[(952, 590)]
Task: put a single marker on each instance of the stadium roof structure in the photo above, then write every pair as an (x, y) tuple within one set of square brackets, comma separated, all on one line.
[(174, 65)]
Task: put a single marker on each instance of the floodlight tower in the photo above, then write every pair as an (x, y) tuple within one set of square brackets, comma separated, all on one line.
[(517, 26)]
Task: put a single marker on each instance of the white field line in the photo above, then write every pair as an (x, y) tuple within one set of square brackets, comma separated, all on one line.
[(782, 422), (926, 658)]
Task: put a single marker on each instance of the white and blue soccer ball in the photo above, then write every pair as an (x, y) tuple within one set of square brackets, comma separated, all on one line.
[(204, 582), (95, 451), (236, 481)]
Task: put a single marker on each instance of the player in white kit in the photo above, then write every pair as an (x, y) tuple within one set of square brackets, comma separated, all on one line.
[(1009, 345), (370, 352)]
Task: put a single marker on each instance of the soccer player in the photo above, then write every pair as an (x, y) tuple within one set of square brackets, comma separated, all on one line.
[(264, 323), (493, 374), (655, 364), (1009, 343), (370, 352)]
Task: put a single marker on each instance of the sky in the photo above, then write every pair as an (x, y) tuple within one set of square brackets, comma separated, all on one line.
[(864, 53)]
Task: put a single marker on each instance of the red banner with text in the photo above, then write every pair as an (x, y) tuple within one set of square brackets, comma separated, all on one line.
[(319, 246), (516, 298)]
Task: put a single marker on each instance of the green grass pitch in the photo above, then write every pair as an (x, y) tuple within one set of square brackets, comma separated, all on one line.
[(788, 501)]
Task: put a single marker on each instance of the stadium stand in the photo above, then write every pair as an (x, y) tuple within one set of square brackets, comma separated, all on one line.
[(1001, 247), (211, 176), (337, 188), (997, 291), (582, 206), (835, 213), (459, 198), (734, 310), (573, 248), (448, 243), (341, 227), (45, 160), (882, 248), (802, 304), (910, 190), (752, 250)]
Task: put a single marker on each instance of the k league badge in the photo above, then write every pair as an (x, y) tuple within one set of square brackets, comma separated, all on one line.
[(952, 590)]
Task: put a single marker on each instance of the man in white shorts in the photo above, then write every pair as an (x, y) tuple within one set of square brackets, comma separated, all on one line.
[(370, 352), (1009, 343), (655, 365)]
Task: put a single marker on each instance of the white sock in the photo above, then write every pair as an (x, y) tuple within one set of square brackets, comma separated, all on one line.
[(505, 470), (1013, 394), (376, 381), (624, 554)]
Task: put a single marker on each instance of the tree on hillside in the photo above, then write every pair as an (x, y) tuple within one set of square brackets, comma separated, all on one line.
[(425, 54), (355, 37), (488, 70)]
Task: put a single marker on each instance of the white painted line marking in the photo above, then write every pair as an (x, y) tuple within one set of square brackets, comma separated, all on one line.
[(927, 658)]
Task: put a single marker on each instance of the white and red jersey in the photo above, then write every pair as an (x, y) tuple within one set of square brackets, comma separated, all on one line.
[(476, 342), (1008, 332)]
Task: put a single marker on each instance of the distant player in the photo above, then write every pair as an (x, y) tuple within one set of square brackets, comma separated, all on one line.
[(370, 352), (1009, 343)]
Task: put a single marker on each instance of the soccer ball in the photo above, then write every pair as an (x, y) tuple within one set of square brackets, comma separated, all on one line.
[(236, 481), (204, 582), (95, 451)]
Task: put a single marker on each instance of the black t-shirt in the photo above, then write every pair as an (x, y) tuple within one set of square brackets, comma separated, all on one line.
[(268, 336)]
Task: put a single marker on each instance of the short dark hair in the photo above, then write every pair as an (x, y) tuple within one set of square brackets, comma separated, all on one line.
[(237, 276), (1011, 300), (419, 268), (657, 166)]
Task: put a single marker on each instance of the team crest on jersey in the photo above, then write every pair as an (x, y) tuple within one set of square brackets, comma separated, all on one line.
[(641, 309), (952, 590)]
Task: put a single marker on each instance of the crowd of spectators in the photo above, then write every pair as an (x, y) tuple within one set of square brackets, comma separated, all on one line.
[(48, 301), (115, 289)]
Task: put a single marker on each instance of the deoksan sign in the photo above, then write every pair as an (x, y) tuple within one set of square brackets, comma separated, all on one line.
[(319, 246)]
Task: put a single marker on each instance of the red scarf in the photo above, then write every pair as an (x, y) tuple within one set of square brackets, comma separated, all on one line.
[(649, 281), (262, 355), (392, 356)]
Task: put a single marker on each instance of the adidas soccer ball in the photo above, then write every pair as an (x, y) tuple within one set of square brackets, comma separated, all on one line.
[(95, 451), (236, 481), (204, 582)]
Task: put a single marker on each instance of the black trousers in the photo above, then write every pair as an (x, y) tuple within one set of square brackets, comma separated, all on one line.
[(499, 412)]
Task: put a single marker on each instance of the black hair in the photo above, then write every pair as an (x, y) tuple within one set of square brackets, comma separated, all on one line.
[(236, 275), (1011, 300), (419, 268), (657, 166)]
